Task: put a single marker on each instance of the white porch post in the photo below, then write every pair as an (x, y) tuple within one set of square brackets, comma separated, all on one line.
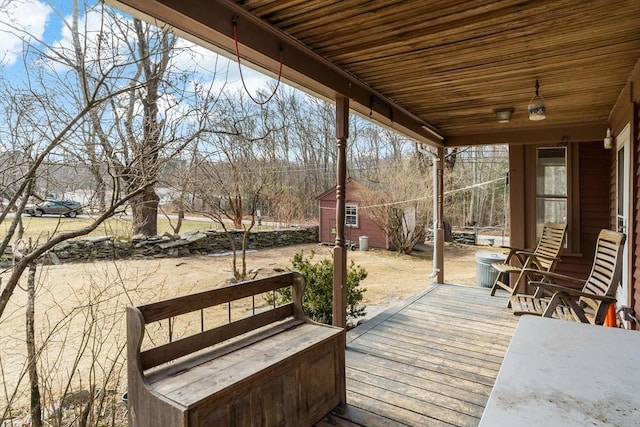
[(439, 237)]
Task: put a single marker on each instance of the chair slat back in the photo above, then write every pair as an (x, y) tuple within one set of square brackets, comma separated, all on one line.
[(550, 243), (606, 272)]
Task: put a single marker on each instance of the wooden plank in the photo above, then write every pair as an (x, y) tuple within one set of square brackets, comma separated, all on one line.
[(191, 344), (434, 345), (425, 413), (388, 313), (196, 384), (471, 323), (188, 303), (349, 415), (461, 312), (215, 352), (438, 335), (429, 347), (460, 329), (443, 402), (463, 346), (382, 407), (451, 363), (465, 390)]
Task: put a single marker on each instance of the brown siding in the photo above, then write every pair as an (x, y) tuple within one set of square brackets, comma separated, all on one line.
[(626, 111), (635, 138), (595, 190), (594, 169)]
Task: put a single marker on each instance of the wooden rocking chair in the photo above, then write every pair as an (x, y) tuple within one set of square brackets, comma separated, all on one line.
[(544, 258), (588, 305)]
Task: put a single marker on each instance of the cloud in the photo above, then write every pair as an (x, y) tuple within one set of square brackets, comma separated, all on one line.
[(21, 22)]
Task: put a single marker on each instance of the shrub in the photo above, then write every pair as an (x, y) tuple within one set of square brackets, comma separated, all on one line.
[(318, 295)]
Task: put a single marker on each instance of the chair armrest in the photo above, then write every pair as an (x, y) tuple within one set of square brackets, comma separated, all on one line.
[(511, 248), (604, 298), (571, 292), (552, 287), (552, 275), (534, 255), (524, 252)]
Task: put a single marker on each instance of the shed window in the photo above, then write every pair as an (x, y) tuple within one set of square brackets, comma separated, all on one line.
[(351, 216)]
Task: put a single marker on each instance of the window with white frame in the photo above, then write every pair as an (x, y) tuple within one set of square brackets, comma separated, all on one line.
[(551, 187), (351, 216)]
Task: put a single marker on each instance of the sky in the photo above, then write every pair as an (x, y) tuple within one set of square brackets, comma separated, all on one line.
[(25, 22)]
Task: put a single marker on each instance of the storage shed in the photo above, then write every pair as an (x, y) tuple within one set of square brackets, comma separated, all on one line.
[(356, 223)]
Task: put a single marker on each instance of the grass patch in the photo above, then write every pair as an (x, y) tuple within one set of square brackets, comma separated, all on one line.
[(44, 228)]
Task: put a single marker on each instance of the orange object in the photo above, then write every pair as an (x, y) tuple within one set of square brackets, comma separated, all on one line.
[(610, 320)]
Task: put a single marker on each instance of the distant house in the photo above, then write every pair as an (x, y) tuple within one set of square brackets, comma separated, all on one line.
[(356, 224)]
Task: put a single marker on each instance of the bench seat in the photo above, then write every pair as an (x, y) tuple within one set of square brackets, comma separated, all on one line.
[(193, 380)]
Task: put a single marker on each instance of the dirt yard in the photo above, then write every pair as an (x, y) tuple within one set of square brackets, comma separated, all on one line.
[(75, 301)]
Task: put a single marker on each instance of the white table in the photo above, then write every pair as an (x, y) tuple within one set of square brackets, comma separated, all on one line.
[(559, 373)]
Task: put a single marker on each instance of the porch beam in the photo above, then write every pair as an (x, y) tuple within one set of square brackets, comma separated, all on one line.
[(210, 24), (339, 250), (586, 132)]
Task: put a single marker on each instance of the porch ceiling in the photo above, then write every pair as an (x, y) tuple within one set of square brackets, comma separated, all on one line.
[(446, 64)]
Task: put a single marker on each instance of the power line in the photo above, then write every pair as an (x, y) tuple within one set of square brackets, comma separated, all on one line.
[(425, 197)]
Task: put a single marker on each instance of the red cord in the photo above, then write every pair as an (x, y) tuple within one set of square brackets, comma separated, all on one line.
[(235, 37)]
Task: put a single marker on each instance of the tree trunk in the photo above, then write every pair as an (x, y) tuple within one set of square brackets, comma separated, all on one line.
[(101, 192), (36, 409), (144, 209), (180, 218)]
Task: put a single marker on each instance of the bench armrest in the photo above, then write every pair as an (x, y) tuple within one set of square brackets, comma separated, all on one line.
[(298, 286), (135, 334)]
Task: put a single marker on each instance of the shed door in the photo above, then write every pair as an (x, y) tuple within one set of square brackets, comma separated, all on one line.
[(623, 215)]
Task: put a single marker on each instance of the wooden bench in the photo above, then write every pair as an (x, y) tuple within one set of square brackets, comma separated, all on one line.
[(273, 367)]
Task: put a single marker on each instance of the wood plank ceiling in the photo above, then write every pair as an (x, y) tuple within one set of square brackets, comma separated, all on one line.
[(450, 63)]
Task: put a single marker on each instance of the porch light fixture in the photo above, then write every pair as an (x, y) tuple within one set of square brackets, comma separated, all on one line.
[(537, 109), (504, 114), (608, 140)]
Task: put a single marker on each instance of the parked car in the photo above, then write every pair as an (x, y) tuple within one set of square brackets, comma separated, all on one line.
[(55, 207)]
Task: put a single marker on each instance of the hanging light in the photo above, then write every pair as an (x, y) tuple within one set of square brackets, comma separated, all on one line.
[(504, 114), (537, 109), (608, 140)]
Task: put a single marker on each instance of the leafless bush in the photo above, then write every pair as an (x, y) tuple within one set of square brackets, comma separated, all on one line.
[(80, 347)]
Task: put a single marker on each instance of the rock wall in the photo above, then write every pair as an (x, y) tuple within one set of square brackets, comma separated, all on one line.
[(168, 245)]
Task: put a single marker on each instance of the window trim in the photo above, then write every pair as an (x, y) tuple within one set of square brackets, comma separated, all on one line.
[(573, 195), (347, 215)]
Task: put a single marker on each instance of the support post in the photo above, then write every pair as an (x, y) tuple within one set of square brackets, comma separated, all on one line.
[(339, 250), (439, 237)]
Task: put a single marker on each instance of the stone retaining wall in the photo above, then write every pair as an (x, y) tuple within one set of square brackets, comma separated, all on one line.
[(167, 245)]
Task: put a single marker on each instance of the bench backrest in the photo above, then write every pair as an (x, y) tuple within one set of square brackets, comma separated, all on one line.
[(139, 316)]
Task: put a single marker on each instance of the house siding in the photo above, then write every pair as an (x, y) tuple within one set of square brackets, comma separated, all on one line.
[(635, 245), (594, 168), (626, 111)]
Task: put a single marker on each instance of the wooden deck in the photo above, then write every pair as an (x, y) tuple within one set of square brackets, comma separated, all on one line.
[(430, 361)]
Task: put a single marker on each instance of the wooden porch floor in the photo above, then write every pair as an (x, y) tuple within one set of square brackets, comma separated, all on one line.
[(430, 361)]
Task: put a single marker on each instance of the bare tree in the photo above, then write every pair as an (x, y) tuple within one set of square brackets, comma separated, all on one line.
[(400, 204), (235, 172)]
